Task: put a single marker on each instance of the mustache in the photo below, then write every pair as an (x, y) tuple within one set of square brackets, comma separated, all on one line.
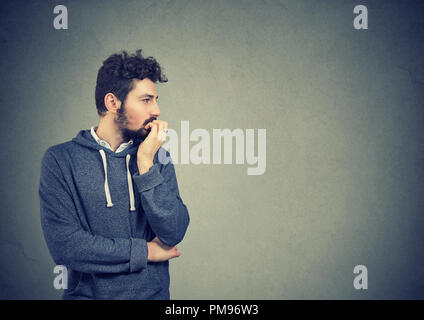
[(148, 121)]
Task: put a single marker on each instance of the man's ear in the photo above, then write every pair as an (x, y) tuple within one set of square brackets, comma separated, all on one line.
[(112, 103)]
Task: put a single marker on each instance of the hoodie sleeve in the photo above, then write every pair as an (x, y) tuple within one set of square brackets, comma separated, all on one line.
[(160, 198), (72, 246)]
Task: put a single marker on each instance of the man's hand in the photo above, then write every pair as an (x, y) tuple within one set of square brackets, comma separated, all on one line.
[(148, 148), (157, 251)]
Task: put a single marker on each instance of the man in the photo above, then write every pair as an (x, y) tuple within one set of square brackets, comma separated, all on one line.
[(111, 212)]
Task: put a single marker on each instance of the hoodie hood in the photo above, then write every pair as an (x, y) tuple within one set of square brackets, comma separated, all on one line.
[(85, 139)]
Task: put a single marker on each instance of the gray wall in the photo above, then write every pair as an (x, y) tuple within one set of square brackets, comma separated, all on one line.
[(343, 114)]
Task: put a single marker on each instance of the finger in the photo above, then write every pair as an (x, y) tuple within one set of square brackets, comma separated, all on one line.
[(159, 125), (175, 254), (148, 126), (154, 128), (162, 133), (160, 129)]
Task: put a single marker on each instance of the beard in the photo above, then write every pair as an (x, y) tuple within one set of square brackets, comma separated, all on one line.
[(127, 134)]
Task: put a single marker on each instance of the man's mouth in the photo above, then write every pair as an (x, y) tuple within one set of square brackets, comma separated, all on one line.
[(147, 122)]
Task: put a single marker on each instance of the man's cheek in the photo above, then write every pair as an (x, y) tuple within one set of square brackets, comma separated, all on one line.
[(133, 122)]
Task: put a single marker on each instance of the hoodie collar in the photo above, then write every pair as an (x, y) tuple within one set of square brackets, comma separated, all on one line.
[(106, 144), (85, 139)]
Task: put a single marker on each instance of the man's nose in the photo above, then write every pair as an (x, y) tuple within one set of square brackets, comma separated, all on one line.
[(156, 111)]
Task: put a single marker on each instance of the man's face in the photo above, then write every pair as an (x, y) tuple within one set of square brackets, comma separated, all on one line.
[(139, 109)]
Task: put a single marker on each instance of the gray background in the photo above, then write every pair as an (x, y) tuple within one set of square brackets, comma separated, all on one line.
[(343, 114)]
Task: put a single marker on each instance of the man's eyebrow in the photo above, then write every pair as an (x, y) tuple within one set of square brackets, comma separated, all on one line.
[(147, 95)]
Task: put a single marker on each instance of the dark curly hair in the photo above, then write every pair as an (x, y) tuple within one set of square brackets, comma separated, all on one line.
[(117, 73)]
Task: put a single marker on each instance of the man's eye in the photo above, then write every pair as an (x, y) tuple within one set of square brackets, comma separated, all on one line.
[(146, 100)]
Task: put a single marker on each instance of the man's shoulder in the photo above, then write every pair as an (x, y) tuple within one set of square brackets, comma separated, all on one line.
[(59, 148), (60, 152)]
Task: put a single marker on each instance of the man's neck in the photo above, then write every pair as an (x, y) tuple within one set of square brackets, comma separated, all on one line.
[(108, 131)]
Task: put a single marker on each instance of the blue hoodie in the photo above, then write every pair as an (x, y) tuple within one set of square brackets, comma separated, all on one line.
[(98, 213)]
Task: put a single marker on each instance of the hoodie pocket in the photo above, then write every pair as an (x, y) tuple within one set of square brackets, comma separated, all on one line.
[(74, 279), (135, 285), (81, 288)]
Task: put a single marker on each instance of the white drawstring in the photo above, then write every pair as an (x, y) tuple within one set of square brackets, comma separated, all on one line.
[(130, 186), (108, 199)]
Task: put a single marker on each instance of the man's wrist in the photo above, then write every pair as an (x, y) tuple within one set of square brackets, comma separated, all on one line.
[(144, 166)]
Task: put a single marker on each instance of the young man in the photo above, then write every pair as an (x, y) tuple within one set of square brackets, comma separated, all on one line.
[(111, 212)]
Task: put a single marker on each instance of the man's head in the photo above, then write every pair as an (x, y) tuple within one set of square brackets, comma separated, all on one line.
[(125, 90)]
